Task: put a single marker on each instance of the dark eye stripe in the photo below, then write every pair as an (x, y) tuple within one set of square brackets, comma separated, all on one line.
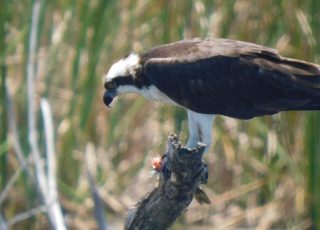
[(123, 80), (126, 80)]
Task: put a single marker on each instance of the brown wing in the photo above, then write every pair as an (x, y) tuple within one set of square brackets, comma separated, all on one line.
[(237, 79), (195, 49)]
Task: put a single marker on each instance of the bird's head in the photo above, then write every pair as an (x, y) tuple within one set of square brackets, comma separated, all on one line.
[(122, 78)]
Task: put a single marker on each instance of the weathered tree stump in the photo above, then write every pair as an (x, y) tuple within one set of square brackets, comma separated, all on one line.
[(182, 171)]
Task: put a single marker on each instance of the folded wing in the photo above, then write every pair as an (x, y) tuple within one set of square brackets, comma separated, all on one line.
[(232, 78)]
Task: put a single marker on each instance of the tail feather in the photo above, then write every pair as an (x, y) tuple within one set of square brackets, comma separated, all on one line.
[(306, 75), (307, 83), (303, 92), (313, 104), (298, 66), (307, 80)]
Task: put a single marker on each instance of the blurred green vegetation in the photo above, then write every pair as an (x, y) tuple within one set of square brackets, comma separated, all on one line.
[(264, 173)]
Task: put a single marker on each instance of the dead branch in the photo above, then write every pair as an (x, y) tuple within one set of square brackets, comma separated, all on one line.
[(182, 171)]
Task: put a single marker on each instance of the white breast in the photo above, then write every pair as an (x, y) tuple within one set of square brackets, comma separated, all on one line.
[(153, 93), (150, 93)]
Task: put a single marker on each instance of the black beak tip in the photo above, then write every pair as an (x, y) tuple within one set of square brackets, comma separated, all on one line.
[(107, 99)]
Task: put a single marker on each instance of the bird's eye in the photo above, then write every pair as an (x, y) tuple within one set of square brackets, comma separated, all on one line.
[(109, 85)]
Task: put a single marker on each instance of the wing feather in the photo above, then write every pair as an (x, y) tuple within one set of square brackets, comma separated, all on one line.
[(237, 79)]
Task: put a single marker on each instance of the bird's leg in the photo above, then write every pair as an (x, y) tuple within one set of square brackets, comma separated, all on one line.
[(200, 129)]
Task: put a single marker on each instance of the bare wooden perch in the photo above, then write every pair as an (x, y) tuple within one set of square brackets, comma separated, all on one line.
[(181, 173)]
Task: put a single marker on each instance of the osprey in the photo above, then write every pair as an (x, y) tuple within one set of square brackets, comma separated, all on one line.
[(216, 76)]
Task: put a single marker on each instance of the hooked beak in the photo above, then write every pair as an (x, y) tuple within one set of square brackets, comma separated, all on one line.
[(108, 97)]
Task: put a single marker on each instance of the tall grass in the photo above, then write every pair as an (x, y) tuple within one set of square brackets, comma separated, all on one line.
[(263, 172), (313, 148), (3, 120)]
